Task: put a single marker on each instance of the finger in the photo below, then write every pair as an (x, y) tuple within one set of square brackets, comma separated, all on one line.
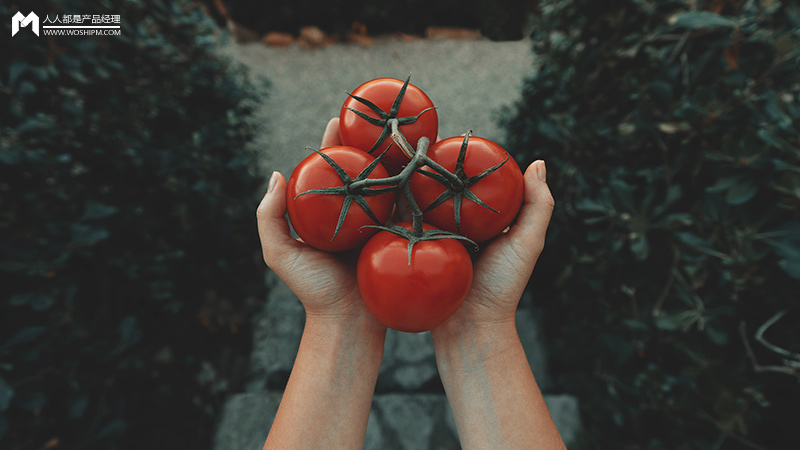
[(331, 136), (273, 228), (528, 234)]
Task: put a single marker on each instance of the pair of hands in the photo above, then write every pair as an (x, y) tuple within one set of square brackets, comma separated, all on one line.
[(326, 283)]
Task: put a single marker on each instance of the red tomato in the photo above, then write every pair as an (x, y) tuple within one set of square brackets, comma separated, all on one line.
[(314, 216), (501, 190), (413, 297), (382, 92)]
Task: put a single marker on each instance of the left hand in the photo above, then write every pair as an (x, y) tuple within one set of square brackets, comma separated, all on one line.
[(324, 282)]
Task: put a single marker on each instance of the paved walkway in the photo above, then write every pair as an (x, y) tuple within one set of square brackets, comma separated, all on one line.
[(469, 81)]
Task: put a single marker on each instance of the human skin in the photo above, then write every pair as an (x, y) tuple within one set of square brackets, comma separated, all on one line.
[(329, 393), (492, 391), (495, 400)]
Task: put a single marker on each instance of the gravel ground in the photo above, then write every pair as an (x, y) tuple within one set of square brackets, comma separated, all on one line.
[(469, 81)]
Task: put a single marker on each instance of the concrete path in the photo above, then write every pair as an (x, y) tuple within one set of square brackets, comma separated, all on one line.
[(469, 81)]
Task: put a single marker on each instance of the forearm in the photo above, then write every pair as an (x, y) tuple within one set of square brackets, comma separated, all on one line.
[(328, 397), (495, 400)]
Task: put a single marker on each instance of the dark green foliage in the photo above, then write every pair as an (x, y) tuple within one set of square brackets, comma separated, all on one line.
[(671, 132), (498, 20), (128, 249)]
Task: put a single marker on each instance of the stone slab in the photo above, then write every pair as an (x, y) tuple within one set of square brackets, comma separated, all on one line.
[(401, 421)]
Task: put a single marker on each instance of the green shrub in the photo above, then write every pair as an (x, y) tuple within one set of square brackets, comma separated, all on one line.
[(671, 132), (128, 249)]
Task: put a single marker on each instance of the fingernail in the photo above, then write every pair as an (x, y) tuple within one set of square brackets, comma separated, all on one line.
[(273, 181), (541, 170)]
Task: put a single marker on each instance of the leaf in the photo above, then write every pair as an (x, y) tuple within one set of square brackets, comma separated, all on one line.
[(718, 337), (6, 394), (10, 155), (116, 426), (774, 107), (24, 335), (674, 193), (774, 141), (723, 184), (25, 88), (83, 235), (77, 406), (41, 302), (95, 210), (640, 247), (661, 91), (668, 323), (549, 130), (618, 346), (589, 205), (36, 300), (674, 127), (636, 325), (15, 69), (129, 333), (679, 219), (35, 123), (698, 20), (31, 401), (741, 193), (623, 192), (791, 266), (19, 299), (673, 322)]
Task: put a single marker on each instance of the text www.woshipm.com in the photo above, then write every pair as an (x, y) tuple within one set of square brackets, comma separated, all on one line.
[(90, 32)]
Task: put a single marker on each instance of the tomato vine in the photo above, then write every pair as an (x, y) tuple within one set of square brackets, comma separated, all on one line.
[(412, 275)]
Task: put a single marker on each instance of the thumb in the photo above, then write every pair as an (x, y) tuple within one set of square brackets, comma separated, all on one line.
[(273, 228), (528, 234)]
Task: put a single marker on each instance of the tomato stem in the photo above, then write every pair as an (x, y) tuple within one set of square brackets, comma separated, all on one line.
[(388, 121), (399, 138), (416, 215), (356, 189)]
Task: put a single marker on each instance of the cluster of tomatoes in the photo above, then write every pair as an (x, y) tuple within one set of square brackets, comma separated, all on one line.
[(412, 275)]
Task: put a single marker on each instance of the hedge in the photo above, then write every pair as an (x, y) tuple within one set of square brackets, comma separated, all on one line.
[(128, 251), (671, 274)]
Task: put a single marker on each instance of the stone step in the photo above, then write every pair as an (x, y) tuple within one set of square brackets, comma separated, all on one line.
[(399, 421)]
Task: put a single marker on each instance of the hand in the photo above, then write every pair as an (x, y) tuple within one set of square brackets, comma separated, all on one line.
[(503, 267), (493, 394), (324, 282), (334, 375)]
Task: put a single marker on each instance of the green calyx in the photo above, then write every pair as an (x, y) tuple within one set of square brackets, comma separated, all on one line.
[(351, 189), (458, 187), (384, 118), (415, 237)]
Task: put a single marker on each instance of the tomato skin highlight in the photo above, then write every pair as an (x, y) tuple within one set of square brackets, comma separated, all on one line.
[(357, 132), (314, 216), (502, 190), (420, 296)]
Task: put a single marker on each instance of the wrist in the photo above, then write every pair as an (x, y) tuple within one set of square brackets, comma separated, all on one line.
[(331, 384), (470, 344), (356, 331)]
